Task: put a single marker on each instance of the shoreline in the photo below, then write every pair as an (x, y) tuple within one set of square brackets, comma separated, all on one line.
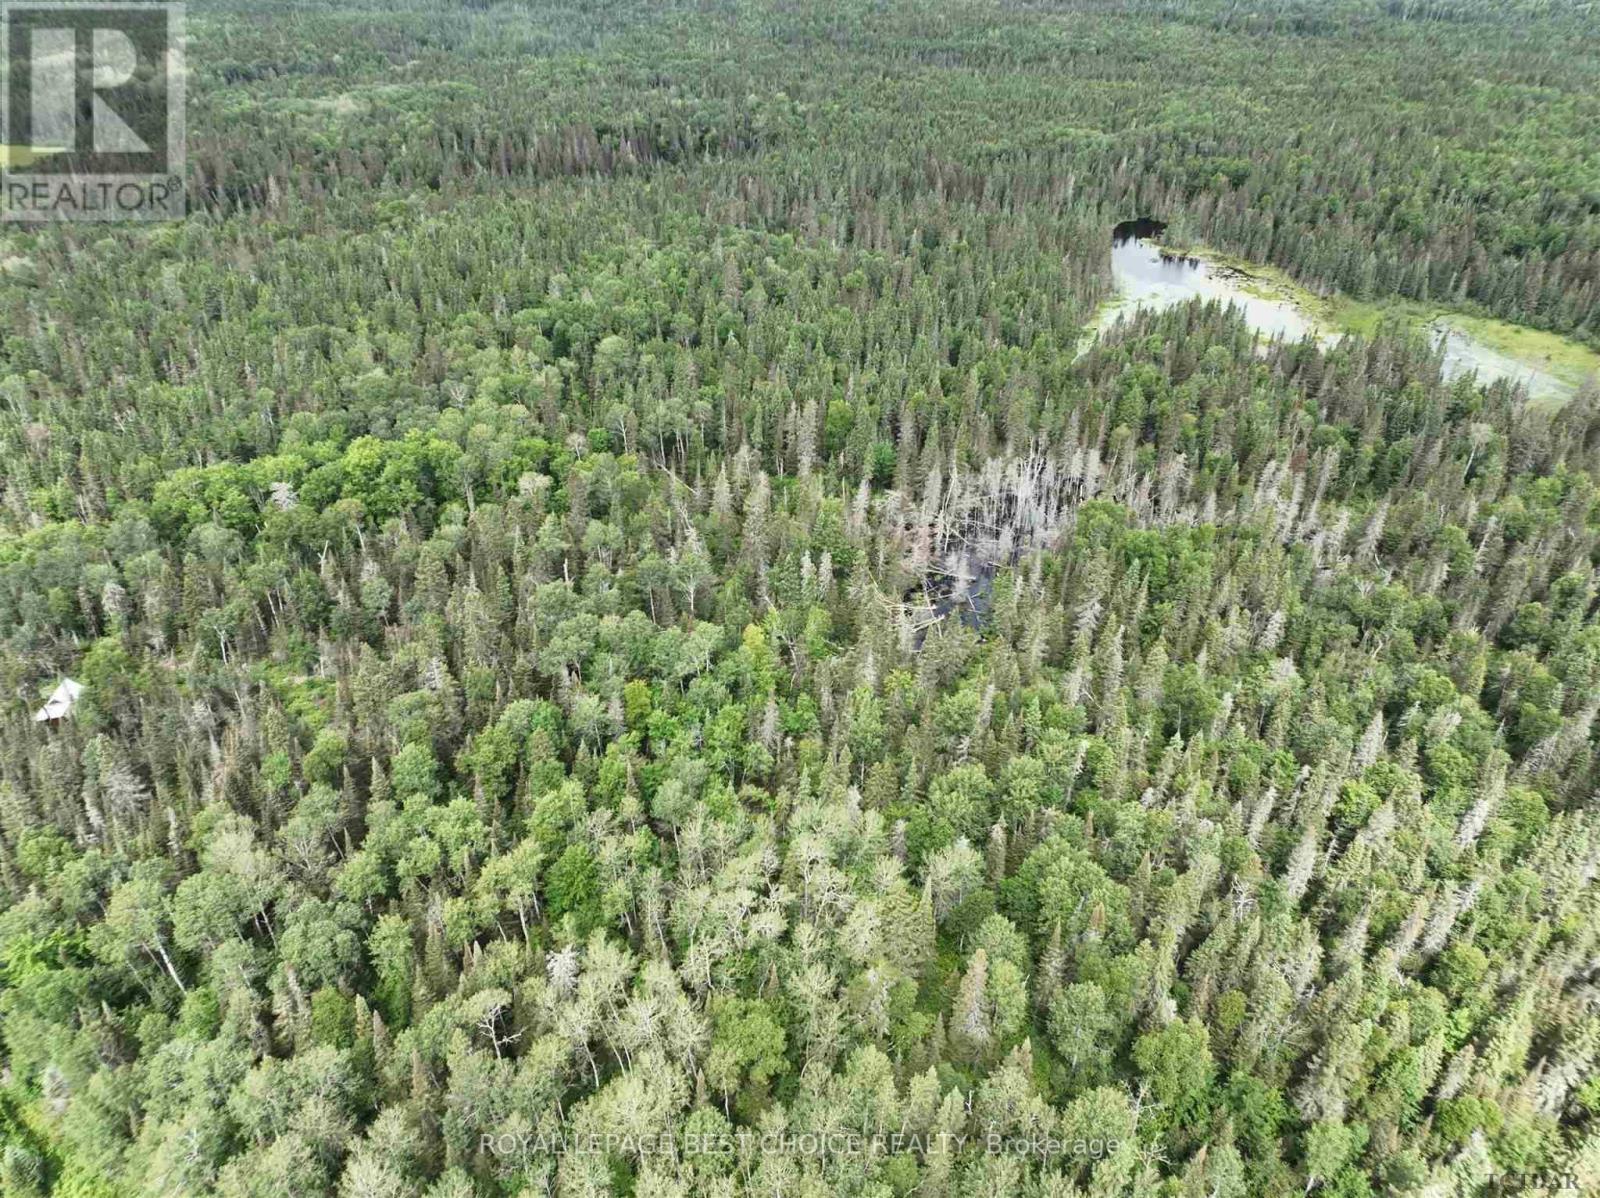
[(1558, 365)]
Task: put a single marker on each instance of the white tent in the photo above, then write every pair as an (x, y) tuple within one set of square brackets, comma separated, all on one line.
[(60, 704)]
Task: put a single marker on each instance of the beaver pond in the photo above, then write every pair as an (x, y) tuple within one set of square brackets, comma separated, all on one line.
[(1149, 276)]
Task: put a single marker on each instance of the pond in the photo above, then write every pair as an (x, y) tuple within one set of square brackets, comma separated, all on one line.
[(1148, 276), (962, 585), (959, 584), (1465, 354)]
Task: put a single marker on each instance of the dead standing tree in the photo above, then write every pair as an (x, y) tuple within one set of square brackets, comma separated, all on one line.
[(966, 530)]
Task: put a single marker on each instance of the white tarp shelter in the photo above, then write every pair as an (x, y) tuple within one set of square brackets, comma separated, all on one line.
[(60, 704)]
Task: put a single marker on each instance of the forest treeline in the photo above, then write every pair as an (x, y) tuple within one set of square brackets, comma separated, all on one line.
[(1443, 152), (495, 532)]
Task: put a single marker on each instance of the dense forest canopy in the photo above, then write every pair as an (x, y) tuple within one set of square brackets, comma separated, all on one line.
[(631, 646)]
